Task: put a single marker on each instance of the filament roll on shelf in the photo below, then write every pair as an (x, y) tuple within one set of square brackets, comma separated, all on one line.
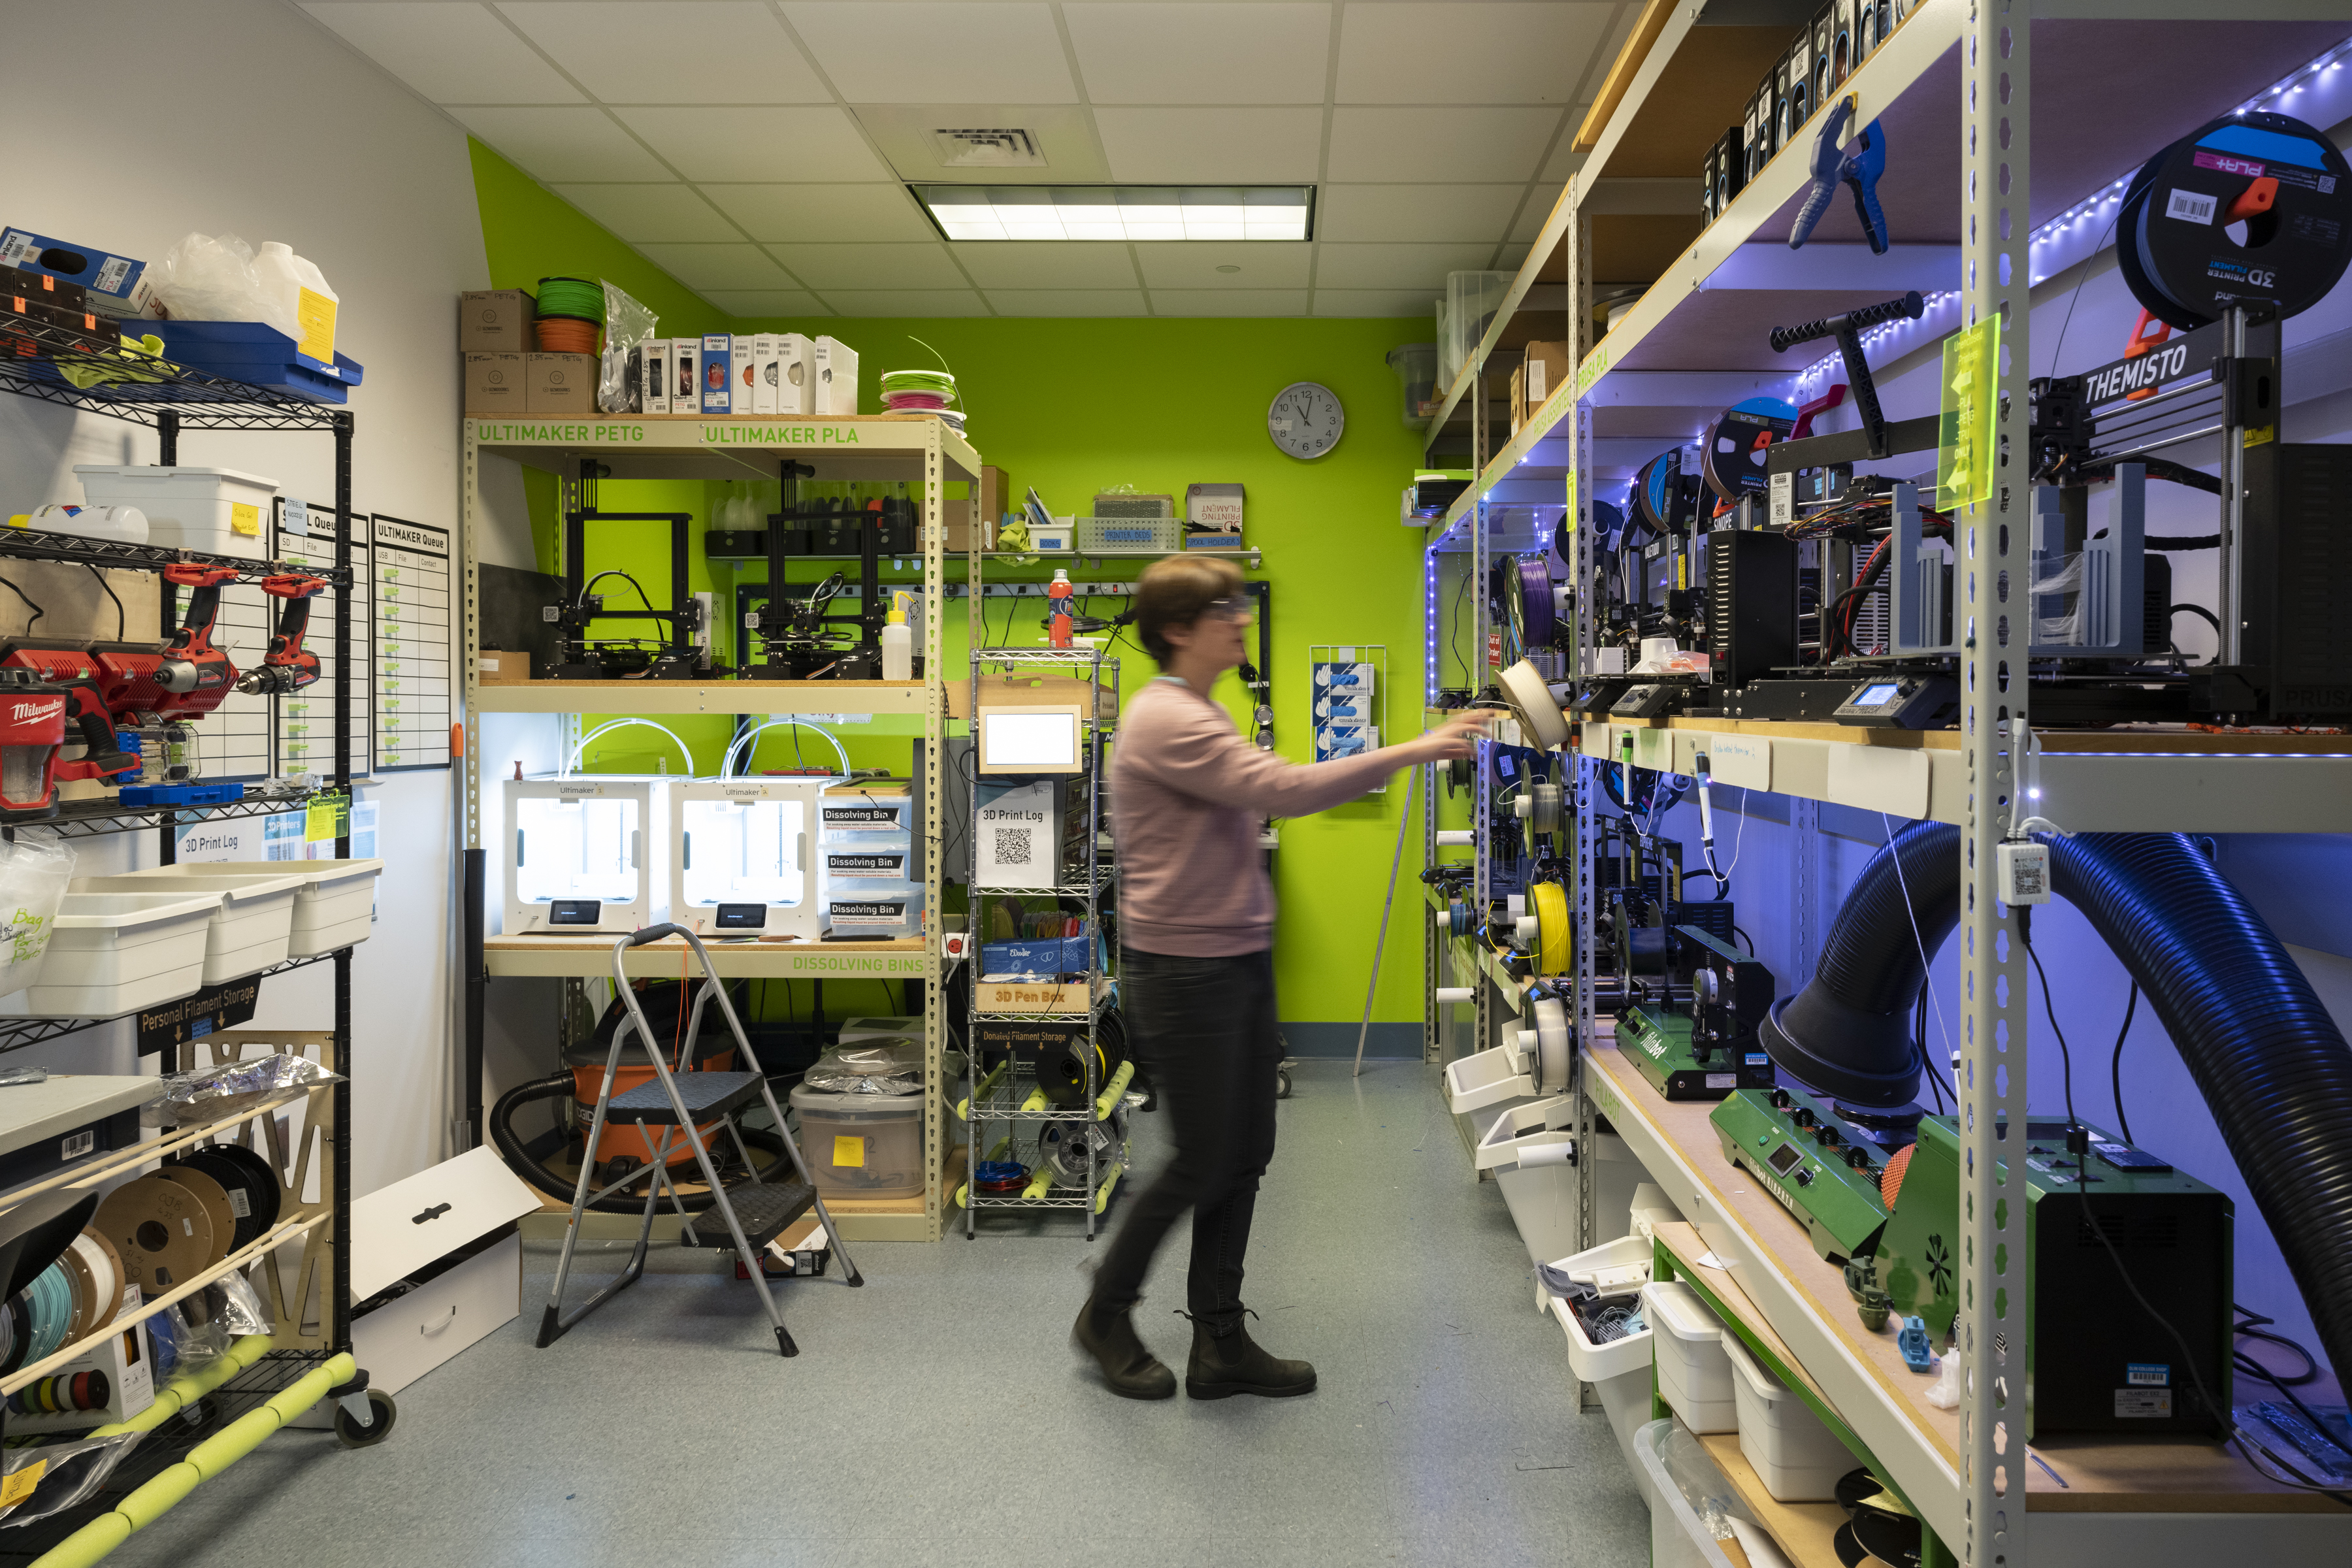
[(163, 1231), (1554, 941), (1533, 705), (2250, 209), (249, 1183)]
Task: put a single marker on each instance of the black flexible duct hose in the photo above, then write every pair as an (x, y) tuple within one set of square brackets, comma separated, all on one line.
[(2271, 1063), (1849, 1033), (559, 1086)]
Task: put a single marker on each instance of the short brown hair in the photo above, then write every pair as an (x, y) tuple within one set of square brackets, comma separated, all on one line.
[(1176, 592)]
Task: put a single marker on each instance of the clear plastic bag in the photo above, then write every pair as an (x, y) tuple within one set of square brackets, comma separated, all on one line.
[(34, 872), (207, 1094), (208, 278), (67, 1473), (628, 326), (199, 1328), (879, 1067)]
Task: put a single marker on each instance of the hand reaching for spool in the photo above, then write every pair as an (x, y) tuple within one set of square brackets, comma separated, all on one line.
[(1457, 737)]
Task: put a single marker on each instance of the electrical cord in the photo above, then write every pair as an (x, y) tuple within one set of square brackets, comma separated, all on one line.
[(122, 623), (2116, 1063), (1926, 964), (643, 597), (38, 611), (2065, 1056)]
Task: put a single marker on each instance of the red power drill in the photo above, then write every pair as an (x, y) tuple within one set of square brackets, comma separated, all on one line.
[(288, 666), (32, 728)]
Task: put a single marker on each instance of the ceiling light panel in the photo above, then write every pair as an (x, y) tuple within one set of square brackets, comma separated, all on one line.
[(1120, 213)]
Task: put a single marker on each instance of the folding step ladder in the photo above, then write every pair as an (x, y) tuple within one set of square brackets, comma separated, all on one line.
[(679, 1102)]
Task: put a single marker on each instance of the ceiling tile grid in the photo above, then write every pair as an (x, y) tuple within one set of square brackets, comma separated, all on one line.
[(761, 151)]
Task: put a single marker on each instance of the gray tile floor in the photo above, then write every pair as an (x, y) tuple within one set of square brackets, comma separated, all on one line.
[(938, 1416)]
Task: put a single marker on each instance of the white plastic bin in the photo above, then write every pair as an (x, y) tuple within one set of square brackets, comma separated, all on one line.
[(862, 1145), (1796, 1458), (1693, 1374), (1620, 1370), (334, 906), (1677, 1539), (219, 511), (116, 952), (251, 928)]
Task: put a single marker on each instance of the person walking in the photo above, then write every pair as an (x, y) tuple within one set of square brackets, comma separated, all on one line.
[(1196, 971)]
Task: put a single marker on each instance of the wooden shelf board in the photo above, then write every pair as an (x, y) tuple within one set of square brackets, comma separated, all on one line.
[(1804, 1532)]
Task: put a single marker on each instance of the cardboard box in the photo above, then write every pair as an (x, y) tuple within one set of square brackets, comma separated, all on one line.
[(715, 380), (494, 385), (835, 381), (656, 399), (686, 375), (1049, 998), (1217, 507), (998, 690), (1544, 372), (497, 321), (559, 383), (743, 369), (767, 372), (958, 514), (116, 285), (126, 1360), (795, 373), (501, 666), (799, 1253)]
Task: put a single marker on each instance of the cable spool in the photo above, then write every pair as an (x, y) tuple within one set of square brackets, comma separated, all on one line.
[(573, 299), (66, 1392), (1539, 808), (97, 1281), (162, 1230), (251, 1194), (1453, 919), (1554, 941), (1731, 458), (50, 1296), (1555, 1042), (562, 335), (1532, 704), (215, 1197), (1062, 1147), (2249, 209)]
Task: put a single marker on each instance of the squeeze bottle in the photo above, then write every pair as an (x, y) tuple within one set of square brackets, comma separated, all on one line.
[(1057, 616), (897, 643)]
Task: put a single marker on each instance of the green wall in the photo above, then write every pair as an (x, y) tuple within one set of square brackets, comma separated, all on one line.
[(1075, 405)]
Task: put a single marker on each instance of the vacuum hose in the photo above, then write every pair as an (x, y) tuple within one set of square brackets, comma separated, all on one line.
[(559, 1086), (2270, 1062)]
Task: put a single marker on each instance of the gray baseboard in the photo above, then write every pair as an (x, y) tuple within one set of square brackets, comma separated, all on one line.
[(1388, 1041)]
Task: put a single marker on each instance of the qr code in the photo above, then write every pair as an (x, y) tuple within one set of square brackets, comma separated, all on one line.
[(1012, 846)]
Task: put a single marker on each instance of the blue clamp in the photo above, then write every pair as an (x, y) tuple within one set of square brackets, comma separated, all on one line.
[(1859, 169), (1912, 1341)]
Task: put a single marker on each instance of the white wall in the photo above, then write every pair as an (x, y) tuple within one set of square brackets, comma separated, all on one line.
[(292, 137)]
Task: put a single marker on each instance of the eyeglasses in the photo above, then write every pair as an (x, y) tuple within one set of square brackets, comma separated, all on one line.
[(1237, 608)]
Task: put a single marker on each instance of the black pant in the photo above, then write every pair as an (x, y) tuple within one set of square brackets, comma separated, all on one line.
[(1203, 1029)]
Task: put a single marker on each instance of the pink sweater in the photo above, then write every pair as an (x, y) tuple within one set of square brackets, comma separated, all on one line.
[(1188, 794)]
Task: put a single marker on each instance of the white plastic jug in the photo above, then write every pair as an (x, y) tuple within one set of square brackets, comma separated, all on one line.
[(299, 287), (123, 524)]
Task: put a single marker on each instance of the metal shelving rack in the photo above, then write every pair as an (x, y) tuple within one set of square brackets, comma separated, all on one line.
[(312, 1352), (1008, 1095), (1961, 75), (908, 447)]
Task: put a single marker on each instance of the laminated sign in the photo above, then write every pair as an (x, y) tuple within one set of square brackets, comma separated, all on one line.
[(1019, 841)]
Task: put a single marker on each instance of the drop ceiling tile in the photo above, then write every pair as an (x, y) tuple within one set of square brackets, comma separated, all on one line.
[(1439, 144), (824, 212), (1418, 302), (1208, 53), (1422, 267), (1538, 211), (1067, 301), (1511, 258), (1452, 212), (651, 212), (1475, 53), (1565, 160), (718, 266), (1069, 264), (747, 303), (1229, 302), (928, 52), (906, 302), (450, 53), (1194, 264), (1213, 146), (757, 144), (563, 145), (627, 51), (831, 266)]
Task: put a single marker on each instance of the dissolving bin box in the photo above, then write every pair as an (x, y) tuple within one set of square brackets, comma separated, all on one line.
[(1796, 1456), (334, 907), (116, 951), (582, 854), (252, 929), (741, 860), (862, 1145), (217, 512), (1694, 1373)]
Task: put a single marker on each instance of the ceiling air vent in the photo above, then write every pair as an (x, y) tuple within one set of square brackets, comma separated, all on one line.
[(987, 149)]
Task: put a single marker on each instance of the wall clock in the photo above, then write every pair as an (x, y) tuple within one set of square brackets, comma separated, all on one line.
[(1306, 419)]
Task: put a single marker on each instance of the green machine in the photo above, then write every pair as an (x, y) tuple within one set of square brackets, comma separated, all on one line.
[(1678, 1068), (1822, 1168), (2100, 1363)]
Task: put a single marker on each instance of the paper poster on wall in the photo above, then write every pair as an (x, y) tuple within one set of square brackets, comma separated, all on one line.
[(410, 563), (278, 836), (1020, 835), (305, 725)]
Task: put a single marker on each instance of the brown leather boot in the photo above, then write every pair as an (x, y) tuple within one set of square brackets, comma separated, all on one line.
[(1236, 1365), (1130, 1371)]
